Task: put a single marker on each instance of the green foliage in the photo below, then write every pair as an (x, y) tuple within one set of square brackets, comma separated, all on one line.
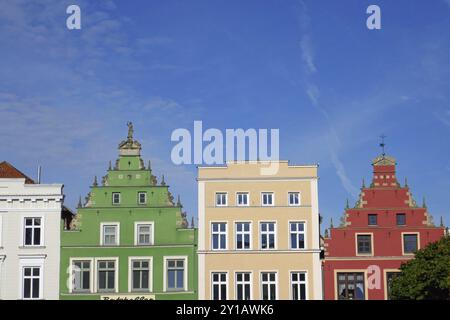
[(427, 276)]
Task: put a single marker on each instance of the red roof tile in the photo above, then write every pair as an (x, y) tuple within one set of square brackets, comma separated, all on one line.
[(7, 170)]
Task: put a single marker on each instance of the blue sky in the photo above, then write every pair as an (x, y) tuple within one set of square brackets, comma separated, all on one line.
[(310, 68)]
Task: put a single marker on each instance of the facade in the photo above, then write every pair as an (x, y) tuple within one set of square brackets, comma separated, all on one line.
[(30, 216), (258, 234), (129, 240), (383, 230)]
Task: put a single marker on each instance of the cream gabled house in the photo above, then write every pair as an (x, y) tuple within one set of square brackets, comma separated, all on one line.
[(30, 216), (259, 232)]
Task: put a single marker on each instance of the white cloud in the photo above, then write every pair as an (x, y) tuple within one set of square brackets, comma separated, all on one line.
[(313, 93), (308, 53)]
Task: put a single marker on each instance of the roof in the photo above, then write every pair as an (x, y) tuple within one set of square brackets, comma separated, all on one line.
[(7, 170)]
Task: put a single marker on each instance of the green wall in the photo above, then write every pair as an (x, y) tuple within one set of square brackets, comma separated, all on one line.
[(172, 237)]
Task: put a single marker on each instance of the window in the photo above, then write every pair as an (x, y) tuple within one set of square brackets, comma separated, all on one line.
[(364, 243), (219, 286), (110, 234), (267, 199), (81, 276), (31, 282), (267, 232), (298, 285), (221, 199), (297, 233), (140, 275), (350, 286), (242, 199), (144, 234), (142, 197), (372, 217), (106, 275), (175, 274), (33, 232), (243, 286), (243, 236), (1, 229), (219, 235), (390, 276), (294, 198), (116, 197), (401, 219), (410, 243), (269, 285)]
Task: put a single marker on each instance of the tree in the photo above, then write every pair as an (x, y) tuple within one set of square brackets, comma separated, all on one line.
[(427, 276)]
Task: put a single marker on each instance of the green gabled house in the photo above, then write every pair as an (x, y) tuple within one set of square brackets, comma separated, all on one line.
[(129, 240)]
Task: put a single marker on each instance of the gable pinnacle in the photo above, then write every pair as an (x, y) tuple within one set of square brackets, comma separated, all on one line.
[(110, 165), (363, 183), (163, 183), (406, 182), (149, 167), (95, 181), (424, 205), (179, 202), (331, 223), (347, 205), (80, 204), (192, 223), (442, 222)]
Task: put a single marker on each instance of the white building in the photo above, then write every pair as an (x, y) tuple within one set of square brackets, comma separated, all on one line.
[(30, 216)]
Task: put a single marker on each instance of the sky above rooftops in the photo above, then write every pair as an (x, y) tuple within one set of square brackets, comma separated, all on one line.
[(310, 68)]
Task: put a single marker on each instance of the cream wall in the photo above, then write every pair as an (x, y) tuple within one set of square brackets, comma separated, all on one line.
[(247, 177), (18, 201)]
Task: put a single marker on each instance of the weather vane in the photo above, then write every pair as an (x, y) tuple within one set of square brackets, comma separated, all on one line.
[(382, 144)]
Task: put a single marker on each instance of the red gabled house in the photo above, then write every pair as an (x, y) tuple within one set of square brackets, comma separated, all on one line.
[(383, 230)]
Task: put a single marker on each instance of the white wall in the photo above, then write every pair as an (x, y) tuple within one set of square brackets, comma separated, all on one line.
[(17, 201)]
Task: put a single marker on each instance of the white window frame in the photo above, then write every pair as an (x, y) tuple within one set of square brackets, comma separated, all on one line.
[(243, 233), (237, 199), (1, 232), (219, 233), (42, 227), (112, 198), (298, 282), (185, 275), (116, 274), (298, 233), (268, 233), (91, 274), (221, 204), (136, 232), (117, 225), (262, 199), (250, 283), (32, 262), (299, 199), (261, 283), (130, 273), (220, 282), (139, 197), (403, 234)]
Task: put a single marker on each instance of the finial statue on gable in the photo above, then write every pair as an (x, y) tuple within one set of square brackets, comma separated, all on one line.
[(130, 130)]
